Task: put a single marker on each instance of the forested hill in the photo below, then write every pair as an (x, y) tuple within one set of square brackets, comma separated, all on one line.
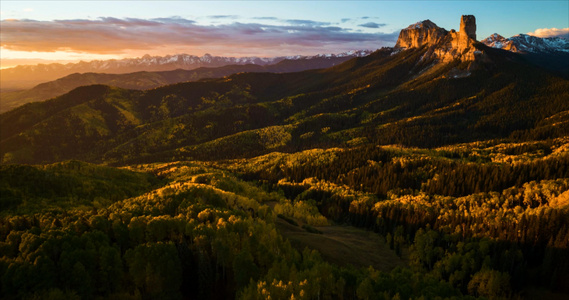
[(478, 220), (147, 80), (388, 97)]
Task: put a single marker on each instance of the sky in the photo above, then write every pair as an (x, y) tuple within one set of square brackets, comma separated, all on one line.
[(62, 31)]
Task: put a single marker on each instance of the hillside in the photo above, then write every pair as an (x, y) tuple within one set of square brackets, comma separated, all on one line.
[(147, 80), (278, 225), (389, 97)]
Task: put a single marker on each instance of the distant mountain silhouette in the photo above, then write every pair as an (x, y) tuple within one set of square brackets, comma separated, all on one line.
[(26, 76), (147, 80)]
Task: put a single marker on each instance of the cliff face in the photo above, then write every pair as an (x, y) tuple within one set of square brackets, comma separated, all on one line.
[(467, 33), (419, 34), (445, 45)]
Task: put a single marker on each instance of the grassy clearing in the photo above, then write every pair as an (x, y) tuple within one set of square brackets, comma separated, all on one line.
[(344, 245)]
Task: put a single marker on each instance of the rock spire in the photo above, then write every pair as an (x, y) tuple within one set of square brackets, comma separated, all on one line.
[(467, 33)]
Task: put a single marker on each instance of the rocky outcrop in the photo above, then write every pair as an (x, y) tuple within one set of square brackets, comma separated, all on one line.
[(467, 32), (419, 34), (443, 45)]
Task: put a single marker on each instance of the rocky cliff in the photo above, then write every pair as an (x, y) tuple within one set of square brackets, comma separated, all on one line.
[(467, 33), (419, 34), (443, 45)]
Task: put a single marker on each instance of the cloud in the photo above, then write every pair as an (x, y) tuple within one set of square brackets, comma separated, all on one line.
[(307, 22), (223, 17), (265, 18), (372, 25), (120, 36), (344, 20), (175, 20), (551, 32)]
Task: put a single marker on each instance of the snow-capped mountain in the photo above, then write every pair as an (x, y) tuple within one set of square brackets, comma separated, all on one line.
[(527, 44), (500, 42), (549, 53), (34, 74)]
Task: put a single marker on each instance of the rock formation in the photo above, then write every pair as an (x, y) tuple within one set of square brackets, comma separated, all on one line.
[(419, 34), (467, 33), (444, 45)]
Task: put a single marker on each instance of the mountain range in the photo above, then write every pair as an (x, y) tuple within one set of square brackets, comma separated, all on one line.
[(146, 80), (550, 53), (26, 76), (523, 43), (426, 92)]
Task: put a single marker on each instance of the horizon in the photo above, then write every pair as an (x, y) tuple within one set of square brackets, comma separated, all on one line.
[(64, 62), (68, 32)]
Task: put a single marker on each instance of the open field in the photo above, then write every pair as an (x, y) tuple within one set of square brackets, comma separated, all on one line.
[(343, 245)]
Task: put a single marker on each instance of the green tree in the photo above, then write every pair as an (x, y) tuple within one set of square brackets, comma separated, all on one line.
[(156, 269), (245, 268), (490, 283), (111, 269), (365, 290)]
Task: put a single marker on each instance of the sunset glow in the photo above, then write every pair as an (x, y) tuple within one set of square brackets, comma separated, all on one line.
[(63, 31)]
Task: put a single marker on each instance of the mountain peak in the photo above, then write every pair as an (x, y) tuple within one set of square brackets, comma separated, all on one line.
[(446, 45), (497, 41), (492, 38), (419, 34), (422, 24)]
